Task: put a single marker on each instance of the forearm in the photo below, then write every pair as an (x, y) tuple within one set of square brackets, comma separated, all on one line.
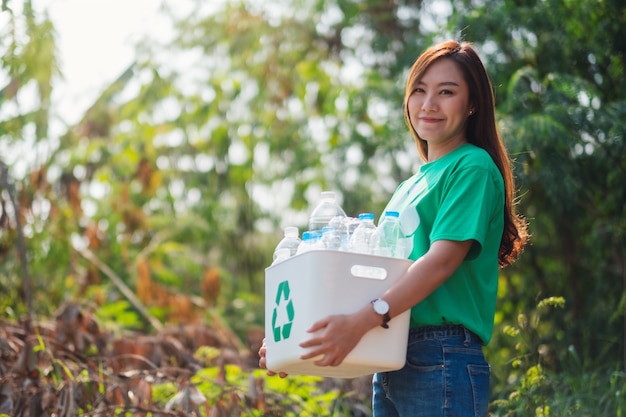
[(422, 278), (336, 335)]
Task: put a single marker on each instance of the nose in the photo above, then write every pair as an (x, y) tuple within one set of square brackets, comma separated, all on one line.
[(429, 103)]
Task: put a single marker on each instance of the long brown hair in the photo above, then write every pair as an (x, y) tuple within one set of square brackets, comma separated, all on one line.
[(480, 130)]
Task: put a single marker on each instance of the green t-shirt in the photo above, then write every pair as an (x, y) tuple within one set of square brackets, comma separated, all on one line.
[(457, 197)]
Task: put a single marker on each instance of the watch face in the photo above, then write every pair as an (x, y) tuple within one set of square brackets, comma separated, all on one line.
[(381, 307)]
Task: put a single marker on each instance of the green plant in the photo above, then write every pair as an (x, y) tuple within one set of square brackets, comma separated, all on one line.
[(531, 391), (544, 386)]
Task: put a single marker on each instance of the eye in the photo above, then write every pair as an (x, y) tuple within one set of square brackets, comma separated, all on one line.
[(418, 90), (445, 92)]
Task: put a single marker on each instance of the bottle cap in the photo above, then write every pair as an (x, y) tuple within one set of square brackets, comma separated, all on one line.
[(328, 195), (366, 216), (291, 231)]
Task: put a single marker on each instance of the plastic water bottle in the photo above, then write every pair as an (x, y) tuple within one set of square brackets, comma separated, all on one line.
[(360, 239), (281, 255), (324, 212), (342, 230), (330, 238), (388, 239), (352, 223), (290, 241), (311, 240)]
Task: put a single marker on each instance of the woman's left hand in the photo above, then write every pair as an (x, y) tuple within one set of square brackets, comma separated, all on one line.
[(336, 337)]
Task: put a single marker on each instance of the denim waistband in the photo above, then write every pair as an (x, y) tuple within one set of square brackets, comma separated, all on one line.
[(445, 330)]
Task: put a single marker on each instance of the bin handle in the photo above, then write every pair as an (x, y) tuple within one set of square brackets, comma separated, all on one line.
[(369, 272)]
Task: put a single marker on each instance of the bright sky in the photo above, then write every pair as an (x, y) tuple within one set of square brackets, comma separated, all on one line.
[(96, 40)]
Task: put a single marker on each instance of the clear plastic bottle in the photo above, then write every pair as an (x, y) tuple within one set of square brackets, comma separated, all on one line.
[(353, 223), (311, 240), (388, 239), (342, 229), (360, 239), (290, 241), (331, 239), (324, 212), (281, 255)]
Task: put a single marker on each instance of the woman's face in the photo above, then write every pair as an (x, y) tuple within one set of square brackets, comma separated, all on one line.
[(439, 105)]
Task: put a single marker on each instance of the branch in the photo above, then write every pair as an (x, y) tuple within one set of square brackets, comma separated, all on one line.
[(6, 181), (130, 296)]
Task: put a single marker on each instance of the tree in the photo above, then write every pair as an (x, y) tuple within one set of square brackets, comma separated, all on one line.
[(28, 64), (181, 166), (559, 103)]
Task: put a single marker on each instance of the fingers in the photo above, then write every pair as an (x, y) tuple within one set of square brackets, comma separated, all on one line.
[(262, 354), (328, 345), (319, 325), (328, 360), (318, 340), (332, 340), (263, 361), (327, 355), (315, 341), (272, 373), (317, 347), (312, 353)]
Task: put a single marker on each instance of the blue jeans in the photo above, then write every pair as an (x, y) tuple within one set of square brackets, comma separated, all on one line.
[(445, 375)]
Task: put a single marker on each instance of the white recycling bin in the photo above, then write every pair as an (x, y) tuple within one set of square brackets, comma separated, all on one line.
[(312, 285)]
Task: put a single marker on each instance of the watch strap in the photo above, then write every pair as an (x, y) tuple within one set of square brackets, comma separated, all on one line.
[(386, 317)]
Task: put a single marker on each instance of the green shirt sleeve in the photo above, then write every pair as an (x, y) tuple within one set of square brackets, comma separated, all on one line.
[(469, 201)]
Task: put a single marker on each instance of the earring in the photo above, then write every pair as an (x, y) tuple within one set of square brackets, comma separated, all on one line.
[(470, 112)]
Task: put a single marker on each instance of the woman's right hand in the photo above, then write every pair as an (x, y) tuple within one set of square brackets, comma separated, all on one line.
[(263, 361)]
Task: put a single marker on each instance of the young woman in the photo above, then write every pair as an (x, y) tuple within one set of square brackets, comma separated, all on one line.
[(458, 213)]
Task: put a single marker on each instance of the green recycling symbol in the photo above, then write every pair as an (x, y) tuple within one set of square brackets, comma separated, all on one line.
[(282, 295)]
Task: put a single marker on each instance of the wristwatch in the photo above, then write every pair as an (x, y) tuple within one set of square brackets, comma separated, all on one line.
[(381, 307)]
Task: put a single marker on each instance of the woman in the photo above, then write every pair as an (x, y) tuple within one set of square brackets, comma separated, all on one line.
[(459, 212)]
